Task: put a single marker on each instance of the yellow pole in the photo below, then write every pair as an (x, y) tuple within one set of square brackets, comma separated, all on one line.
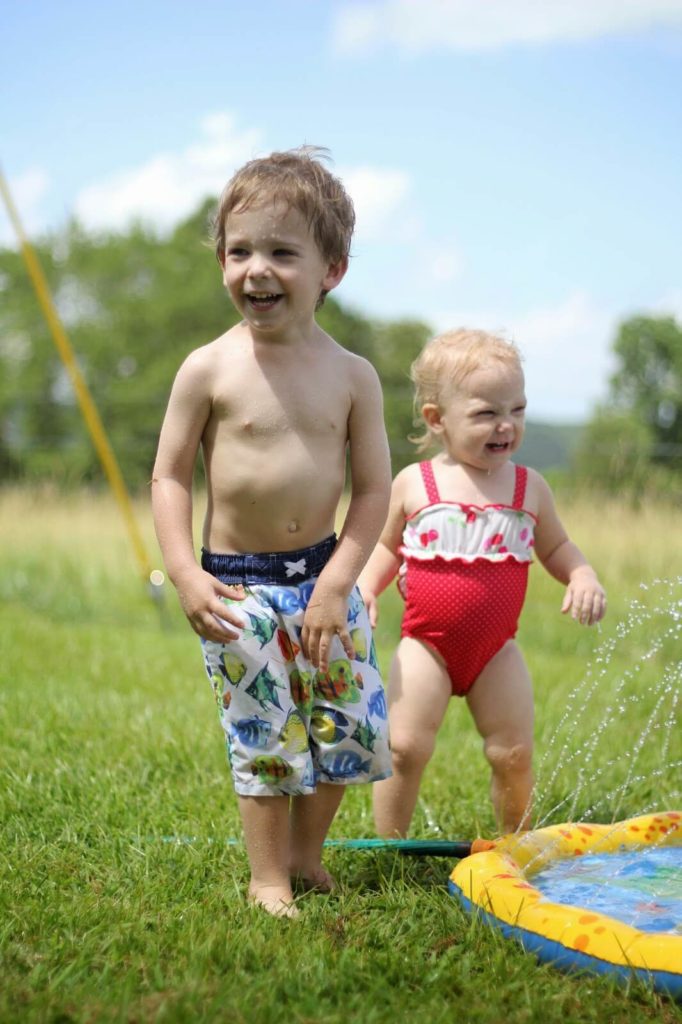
[(87, 405)]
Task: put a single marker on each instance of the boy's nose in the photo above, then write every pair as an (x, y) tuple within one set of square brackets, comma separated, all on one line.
[(258, 265)]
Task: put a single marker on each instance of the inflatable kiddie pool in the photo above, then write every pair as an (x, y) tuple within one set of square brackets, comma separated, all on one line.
[(512, 885)]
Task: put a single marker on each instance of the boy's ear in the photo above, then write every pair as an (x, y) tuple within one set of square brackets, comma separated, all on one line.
[(335, 274), (432, 417)]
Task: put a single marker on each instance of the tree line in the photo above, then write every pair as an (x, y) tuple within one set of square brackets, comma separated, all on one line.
[(134, 305)]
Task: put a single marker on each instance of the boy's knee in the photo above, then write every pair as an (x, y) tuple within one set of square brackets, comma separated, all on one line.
[(509, 758)]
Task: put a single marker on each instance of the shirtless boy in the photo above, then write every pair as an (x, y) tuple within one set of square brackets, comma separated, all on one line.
[(275, 404)]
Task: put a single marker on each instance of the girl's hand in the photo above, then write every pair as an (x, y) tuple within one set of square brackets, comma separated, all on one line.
[(585, 597), (372, 606)]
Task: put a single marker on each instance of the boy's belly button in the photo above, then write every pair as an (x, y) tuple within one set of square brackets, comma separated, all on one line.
[(294, 526)]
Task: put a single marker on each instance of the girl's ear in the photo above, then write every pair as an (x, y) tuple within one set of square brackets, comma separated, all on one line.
[(432, 417)]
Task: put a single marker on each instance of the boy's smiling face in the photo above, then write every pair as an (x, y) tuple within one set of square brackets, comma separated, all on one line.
[(273, 268)]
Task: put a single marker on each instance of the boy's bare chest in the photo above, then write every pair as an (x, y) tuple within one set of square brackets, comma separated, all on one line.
[(275, 407)]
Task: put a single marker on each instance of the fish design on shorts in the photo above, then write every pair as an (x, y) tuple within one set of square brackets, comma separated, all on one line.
[(294, 735), (284, 600), (343, 764), (338, 685), (376, 705), (251, 732), (263, 688), (232, 667), (327, 725), (263, 629), (286, 645), (373, 655), (301, 690), (270, 769), (355, 606), (359, 643), (365, 735)]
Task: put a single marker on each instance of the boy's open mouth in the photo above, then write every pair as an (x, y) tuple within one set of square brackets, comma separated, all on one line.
[(498, 446), (263, 300)]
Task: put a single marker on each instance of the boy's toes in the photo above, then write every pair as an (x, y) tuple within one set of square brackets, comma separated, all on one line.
[(317, 880)]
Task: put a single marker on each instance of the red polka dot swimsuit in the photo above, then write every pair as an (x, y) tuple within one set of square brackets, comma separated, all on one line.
[(465, 577)]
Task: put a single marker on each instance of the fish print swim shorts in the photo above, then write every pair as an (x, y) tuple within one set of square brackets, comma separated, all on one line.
[(288, 726)]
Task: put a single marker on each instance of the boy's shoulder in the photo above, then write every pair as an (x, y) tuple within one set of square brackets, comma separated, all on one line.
[(204, 358)]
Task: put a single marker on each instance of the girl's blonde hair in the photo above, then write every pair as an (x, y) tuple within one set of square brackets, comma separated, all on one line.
[(446, 361)]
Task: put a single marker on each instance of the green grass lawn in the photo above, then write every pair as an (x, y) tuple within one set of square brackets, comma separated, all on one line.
[(121, 899)]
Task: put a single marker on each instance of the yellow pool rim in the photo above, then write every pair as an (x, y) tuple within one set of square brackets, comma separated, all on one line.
[(498, 884)]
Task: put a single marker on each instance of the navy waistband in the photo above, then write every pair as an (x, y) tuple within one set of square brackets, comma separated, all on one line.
[(279, 567)]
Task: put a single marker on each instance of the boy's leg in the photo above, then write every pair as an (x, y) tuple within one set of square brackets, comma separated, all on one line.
[(419, 692), (310, 819), (265, 820), (501, 702)]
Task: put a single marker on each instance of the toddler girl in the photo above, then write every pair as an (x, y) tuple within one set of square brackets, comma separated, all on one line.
[(461, 533)]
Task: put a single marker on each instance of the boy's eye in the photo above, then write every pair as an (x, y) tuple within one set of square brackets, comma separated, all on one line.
[(284, 252), (519, 410), (237, 251)]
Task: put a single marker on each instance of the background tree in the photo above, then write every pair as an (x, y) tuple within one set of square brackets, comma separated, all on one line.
[(634, 441)]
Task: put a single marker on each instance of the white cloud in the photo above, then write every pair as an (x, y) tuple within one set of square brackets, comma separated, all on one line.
[(566, 350), (169, 186), (415, 26), (377, 195), (28, 190)]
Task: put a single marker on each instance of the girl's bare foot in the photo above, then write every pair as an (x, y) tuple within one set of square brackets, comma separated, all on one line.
[(274, 899)]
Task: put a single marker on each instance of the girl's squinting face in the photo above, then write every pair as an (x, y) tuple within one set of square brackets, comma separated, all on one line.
[(480, 422)]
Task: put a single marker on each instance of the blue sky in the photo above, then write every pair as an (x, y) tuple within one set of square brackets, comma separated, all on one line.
[(515, 164)]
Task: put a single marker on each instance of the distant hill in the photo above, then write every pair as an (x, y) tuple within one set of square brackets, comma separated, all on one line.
[(549, 445)]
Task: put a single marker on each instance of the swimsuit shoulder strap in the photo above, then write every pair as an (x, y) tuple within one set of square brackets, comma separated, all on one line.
[(429, 482), (520, 486)]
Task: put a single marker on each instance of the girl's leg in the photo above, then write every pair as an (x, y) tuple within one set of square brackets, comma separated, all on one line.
[(310, 819), (266, 832), (501, 702), (419, 692)]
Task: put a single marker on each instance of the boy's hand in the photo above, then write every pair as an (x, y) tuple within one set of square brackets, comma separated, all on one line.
[(585, 597), (199, 593), (326, 617)]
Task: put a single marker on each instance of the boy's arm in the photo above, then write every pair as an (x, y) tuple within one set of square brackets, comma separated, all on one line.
[(585, 597), (384, 561), (327, 612), (199, 593)]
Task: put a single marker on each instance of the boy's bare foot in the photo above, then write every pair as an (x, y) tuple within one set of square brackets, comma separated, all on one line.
[(314, 880), (276, 900)]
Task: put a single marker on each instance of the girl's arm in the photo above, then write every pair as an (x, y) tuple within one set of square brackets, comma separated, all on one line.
[(585, 597), (384, 562)]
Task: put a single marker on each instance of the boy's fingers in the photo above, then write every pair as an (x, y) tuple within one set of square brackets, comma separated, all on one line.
[(235, 591), (347, 643)]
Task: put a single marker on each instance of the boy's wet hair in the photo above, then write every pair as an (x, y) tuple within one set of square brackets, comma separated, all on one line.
[(297, 178), (447, 360)]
